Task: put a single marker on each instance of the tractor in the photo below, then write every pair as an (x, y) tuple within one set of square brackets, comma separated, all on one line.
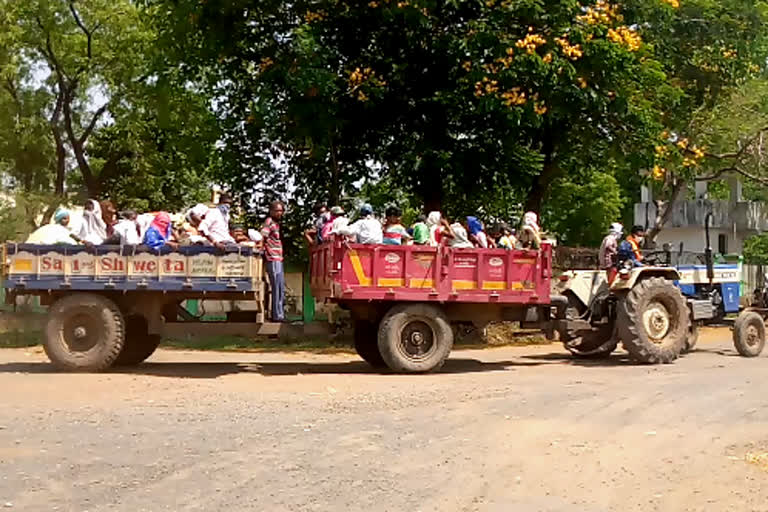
[(644, 308)]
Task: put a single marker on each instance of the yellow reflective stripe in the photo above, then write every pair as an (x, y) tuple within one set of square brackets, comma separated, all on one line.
[(460, 284), (387, 281), (421, 283), (357, 266), (494, 285), (21, 265)]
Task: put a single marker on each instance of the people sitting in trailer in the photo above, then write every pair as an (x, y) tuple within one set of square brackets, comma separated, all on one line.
[(210, 224), (338, 219), (93, 229), (420, 231), (109, 216), (225, 206), (160, 233), (366, 229), (251, 238), (314, 235), (501, 236), (476, 234), (460, 238), (439, 229), (629, 248), (55, 233), (394, 232), (127, 229), (530, 233)]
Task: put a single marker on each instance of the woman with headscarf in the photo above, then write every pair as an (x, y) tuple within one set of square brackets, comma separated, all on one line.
[(476, 233), (159, 232), (530, 236), (439, 229), (93, 229), (55, 233), (460, 238)]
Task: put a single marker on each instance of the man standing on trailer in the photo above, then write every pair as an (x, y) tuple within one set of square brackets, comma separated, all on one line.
[(609, 251), (273, 253)]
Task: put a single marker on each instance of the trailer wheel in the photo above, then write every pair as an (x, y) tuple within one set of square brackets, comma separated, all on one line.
[(692, 338), (139, 344), (415, 338), (653, 321), (84, 332), (366, 343), (749, 334)]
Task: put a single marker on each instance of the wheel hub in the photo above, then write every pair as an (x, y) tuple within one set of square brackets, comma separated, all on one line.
[(417, 340), (656, 321), (753, 336), (82, 332)]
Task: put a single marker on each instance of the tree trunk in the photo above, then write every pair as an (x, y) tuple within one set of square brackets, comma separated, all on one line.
[(549, 172), (431, 185), (664, 211)]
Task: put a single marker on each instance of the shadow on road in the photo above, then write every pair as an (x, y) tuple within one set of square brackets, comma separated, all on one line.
[(620, 359), (210, 370)]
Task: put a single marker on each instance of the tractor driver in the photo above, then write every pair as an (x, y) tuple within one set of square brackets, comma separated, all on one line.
[(629, 249)]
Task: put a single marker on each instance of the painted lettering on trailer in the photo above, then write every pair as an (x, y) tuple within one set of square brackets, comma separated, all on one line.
[(82, 264), (112, 265), (144, 266), (51, 265), (174, 266)]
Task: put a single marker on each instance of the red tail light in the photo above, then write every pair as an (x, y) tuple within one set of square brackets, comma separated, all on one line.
[(564, 278)]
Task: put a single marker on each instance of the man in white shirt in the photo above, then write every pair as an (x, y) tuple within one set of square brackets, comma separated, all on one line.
[(211, 224), (366, 230)]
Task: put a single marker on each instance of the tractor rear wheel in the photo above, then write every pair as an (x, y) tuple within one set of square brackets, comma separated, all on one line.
[(749, 334), (415, 338), (653, 321)]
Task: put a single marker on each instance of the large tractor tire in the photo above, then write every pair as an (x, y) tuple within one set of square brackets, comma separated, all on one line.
[(139, 344), (85, 332), (415, 338), (653, 321), (365, 337), (749, 334)]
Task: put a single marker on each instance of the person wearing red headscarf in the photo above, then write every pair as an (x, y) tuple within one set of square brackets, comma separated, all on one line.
[(159, 232)]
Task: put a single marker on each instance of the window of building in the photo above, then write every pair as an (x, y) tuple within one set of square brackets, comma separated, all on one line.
[(722, 244)]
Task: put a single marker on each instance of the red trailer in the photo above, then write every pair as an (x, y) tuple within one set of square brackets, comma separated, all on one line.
[(405, 300)]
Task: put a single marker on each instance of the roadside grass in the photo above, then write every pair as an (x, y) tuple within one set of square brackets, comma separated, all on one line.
[(20, 338), (498, 335)]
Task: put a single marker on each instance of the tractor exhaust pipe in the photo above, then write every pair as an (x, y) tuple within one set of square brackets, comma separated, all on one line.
[(708, 251)]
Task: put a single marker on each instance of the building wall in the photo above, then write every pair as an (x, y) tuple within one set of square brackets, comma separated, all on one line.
[(694, 239)]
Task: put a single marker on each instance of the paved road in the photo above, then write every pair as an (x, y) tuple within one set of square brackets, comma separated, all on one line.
[(523, 429)]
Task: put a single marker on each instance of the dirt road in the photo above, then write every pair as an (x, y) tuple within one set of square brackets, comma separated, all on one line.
[(509, 429)]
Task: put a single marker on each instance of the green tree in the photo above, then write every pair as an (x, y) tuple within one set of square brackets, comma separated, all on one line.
[(95, 112)]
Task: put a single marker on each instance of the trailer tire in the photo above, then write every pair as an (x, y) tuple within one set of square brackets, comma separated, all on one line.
[(84, 332), (366, 343), (749, 334), (139, 344), (692, 339), (653, 321), (415, 338)]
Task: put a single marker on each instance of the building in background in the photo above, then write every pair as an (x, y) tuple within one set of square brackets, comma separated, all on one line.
[(734, 219)]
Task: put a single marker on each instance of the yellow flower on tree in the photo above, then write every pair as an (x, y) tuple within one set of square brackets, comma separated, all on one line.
[(658, 172)]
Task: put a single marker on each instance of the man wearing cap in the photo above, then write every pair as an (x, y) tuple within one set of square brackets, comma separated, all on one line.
[(366, 230), (629, 249), (609, 251)]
